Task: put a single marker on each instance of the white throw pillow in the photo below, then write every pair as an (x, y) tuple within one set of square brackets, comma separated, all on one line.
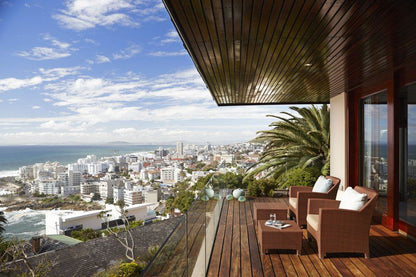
[(352, 200), (322, 184)]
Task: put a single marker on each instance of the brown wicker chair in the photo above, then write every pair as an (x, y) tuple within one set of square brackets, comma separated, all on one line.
[(298, 198), (340, 230)]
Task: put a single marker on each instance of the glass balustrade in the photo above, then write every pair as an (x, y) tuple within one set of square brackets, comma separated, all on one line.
[(187, 250)]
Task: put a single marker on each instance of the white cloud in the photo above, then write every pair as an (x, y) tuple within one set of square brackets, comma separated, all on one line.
[(102, 59), (168, 54), (55, 42), (123, 108), (171, 37), (43, 53), (59, 72), (14, 83), (47, 75), (35, 107), (12, 100), (59, 50), (127, 53), (85, 14)]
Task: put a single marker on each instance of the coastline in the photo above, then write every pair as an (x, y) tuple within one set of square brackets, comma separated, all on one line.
[(9, 173)]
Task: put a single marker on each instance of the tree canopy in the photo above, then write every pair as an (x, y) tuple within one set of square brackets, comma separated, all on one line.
[(296, 140)]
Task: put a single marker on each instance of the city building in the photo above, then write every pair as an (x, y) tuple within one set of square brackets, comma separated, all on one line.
[(179, 149), (105, 189), (133, 197), (87, 188)]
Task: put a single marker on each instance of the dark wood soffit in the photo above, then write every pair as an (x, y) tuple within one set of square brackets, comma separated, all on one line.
[(293, 52)]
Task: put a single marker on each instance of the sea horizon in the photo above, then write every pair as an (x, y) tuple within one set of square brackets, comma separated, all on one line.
[(12, 157)]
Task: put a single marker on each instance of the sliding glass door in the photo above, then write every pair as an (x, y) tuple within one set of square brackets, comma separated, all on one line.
[(373, 164), (407, 164)]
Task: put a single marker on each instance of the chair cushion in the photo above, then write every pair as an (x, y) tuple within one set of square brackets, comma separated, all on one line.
[(313, 220), (352, 200), (322, 185), (293, 201)]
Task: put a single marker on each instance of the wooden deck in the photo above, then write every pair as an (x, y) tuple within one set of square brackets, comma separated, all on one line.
[(236, 252)]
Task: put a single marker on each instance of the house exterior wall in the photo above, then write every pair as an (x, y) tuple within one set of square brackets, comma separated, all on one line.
[(338, 143)]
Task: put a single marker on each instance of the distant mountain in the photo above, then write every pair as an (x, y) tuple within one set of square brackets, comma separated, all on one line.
[(118, 143)]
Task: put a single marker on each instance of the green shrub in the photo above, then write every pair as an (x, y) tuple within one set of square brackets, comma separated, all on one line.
[(129, 269), (85, 234), (301, 177), (261, 187), (253, 189)]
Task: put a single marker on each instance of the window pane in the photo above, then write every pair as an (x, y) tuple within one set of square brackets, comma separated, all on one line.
[(407, 166), (374, 146)]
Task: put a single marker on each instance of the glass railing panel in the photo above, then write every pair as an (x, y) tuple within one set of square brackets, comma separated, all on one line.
[(171, 257), (187, 250)]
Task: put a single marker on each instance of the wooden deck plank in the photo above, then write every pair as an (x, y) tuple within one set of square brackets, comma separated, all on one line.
[(387, 254), (391, 253), (214, 265), (226, 250), (307, 263), (287, 265), (236, 244), (319, 266), (245, 250), (297, 263), (277, 265), (256, 265)]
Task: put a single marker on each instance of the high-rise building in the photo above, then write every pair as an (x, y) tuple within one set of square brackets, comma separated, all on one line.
[(179, 148), (74, 178)]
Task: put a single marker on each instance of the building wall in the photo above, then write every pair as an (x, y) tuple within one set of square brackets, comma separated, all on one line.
[(338, 144)]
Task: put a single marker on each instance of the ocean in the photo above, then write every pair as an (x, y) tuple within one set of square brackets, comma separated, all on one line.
[(13, 157), (26, 223)]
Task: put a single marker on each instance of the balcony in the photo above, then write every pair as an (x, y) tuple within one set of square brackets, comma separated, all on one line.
[(218, 238)]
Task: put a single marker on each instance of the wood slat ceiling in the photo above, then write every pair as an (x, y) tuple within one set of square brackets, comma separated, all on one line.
[(281, 52)]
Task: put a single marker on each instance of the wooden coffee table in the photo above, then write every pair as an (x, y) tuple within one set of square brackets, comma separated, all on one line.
[(262, 210), (272, 238)]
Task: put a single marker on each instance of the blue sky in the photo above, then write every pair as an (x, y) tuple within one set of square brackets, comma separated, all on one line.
[(96, 71)]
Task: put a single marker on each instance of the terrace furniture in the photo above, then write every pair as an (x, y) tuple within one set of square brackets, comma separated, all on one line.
[(299, 195), (262, 210), (272, 238), (341, 230)]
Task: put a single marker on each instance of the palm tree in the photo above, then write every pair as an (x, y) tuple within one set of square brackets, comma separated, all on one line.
[(3, 220), (295, 141)]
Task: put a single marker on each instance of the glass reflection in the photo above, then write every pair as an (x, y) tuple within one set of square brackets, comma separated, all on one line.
[(374, 146)]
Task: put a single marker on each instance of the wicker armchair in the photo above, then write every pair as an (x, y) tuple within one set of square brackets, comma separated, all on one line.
[(298, 198), (340, 230)]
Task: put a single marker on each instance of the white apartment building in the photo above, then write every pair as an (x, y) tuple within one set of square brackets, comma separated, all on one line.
[(63, 179), (88, 188), (88, 159), (227, 158), (198, 174), (26, 172), (167, 175), (118, 193), (179, 148), (69, 190), (78, 167), (48, 186), (144, 175), (105, 189), (135, 167), (74, 178), (133, 197), (151, 196), (57, 222)]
